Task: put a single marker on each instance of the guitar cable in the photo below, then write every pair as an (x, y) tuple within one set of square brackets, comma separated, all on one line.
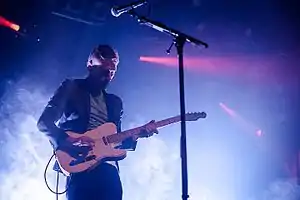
[(57, 180)]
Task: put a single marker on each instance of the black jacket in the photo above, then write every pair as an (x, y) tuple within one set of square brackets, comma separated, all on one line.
[(69, 110)]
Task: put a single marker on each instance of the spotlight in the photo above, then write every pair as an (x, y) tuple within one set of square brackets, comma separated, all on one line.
[(11, 25)]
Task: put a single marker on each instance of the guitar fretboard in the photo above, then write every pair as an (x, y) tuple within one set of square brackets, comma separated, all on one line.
[(117, 138)]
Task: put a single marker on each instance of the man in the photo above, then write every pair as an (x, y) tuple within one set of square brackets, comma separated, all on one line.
[(80, 105)]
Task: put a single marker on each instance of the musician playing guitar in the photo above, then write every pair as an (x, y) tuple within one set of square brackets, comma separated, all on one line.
[(79, 106)]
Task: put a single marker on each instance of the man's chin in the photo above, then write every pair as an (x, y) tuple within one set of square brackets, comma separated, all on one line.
[(99, 83), (103, 85)]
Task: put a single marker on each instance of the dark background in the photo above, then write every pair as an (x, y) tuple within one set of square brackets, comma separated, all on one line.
[(263, 86)]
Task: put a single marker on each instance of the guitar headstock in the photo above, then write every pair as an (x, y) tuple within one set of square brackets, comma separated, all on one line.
[(194, 116)]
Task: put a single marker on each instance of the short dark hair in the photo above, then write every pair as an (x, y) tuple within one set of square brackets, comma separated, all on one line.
[(103, 50)]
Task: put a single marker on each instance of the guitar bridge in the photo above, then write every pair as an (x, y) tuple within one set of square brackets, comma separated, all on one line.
[(82, 160)]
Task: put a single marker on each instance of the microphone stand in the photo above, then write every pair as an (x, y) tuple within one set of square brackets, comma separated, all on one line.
[(179, 39)]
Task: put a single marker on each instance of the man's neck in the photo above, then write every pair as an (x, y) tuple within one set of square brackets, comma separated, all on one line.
[(94, 89)]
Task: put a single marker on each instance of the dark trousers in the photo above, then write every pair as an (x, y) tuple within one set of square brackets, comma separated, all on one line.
[(101, 183)]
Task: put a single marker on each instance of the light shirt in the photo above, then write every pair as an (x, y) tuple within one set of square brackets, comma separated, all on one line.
[(98, 115)]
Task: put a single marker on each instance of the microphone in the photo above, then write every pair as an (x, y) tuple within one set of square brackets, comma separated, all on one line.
[(117, 11)]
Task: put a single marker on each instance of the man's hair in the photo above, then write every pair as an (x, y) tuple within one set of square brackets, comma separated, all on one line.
[(102, 51)]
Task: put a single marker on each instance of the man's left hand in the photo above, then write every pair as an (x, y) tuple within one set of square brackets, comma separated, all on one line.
[(149, 129)]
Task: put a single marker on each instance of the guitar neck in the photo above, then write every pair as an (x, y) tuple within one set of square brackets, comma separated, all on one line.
[(117, 138)]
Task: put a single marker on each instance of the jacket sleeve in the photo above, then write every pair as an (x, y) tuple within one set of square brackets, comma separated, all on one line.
[(128, 144), (52, 113)]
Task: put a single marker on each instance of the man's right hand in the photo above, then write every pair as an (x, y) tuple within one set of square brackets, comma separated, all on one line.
[(82, 140), (77, 146)]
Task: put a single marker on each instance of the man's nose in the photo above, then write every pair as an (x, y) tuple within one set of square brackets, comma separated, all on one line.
[(112, 74), (109, 74)]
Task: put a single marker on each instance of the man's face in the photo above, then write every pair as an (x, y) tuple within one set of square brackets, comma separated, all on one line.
[(103, 66)]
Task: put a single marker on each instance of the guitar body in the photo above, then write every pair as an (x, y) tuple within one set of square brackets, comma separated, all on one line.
[(101, 151), (106, 140)]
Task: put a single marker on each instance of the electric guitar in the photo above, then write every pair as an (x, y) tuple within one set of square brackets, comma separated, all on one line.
[(106, 139)]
